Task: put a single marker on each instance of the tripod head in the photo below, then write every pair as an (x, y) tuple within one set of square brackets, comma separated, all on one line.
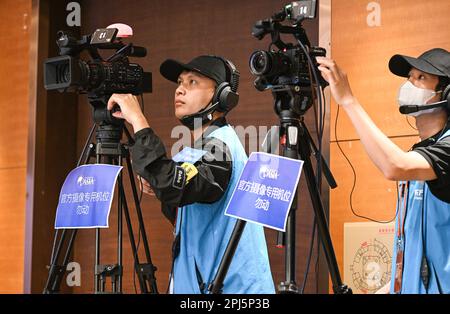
[(291, 98)]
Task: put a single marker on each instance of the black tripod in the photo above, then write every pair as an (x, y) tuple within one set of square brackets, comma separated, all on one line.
[(298, 145), (109, 150)]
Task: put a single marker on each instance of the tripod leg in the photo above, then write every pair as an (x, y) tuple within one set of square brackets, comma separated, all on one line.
[(150, 268), (290, 285), (87, 146), (117, 280), (97, 280), (290, 129), (55, 238), (322, 224), (142, 284), (325, 168), (98, 284), (217, 284), (54, 273)]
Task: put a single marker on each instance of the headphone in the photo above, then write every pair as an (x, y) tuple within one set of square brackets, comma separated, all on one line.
[(224, 99), (446, 97), (226, 95)]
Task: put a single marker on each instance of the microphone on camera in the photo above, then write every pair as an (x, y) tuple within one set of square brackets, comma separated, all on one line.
[(136, 51)]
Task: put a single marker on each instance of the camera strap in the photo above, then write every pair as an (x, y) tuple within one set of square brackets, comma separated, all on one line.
[(399, 260)]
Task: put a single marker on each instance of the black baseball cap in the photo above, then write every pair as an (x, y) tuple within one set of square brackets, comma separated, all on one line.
[(435, 61), (210, 66)]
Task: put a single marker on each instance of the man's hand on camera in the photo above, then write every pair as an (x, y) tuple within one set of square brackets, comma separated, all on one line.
[(339, 85), (129, 110)]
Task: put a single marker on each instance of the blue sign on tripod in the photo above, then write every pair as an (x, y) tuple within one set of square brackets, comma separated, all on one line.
[(265, 190), (86, 197)]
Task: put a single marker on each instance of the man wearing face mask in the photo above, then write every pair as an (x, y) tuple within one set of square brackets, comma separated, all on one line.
[(195, 186), (421, 255)]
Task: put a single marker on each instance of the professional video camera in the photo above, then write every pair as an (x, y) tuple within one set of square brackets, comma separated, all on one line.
[(291, 73), (99, 78), (287, 71)]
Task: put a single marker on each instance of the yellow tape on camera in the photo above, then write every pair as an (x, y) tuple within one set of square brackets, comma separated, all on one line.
[(190, 170)]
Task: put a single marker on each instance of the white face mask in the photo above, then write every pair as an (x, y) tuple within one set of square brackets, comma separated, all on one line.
[(410, 95)]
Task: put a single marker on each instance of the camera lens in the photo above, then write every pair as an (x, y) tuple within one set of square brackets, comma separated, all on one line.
[(260, 63), (62, 73), (269, 64)]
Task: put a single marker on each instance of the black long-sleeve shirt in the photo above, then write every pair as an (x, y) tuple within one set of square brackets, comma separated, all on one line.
[(437, 153), (169, 179)]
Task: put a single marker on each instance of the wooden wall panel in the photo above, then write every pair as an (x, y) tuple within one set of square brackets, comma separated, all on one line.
[(14, 36), (12, 236), (51, 143), (408, 28), (14, 23), (373, 196)]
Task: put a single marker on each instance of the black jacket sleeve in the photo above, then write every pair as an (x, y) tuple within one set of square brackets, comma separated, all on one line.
[(168, 178)]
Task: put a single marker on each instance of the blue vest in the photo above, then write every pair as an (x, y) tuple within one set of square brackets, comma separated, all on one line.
[(205, 232), (427, 231)]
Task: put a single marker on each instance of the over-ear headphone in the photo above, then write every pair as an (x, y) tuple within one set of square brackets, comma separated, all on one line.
[(446, 96), (226, 95)]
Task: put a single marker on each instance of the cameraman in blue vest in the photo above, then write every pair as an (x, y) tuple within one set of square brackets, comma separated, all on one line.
[(421, 257), (195, 186)]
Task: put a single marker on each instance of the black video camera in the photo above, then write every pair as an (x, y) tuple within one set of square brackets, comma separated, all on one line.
[(287, 70), (99, 78), (284, 67)]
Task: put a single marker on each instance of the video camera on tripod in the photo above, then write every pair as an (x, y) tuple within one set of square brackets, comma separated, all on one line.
[(287, 71), (291, 74), (99, 78)]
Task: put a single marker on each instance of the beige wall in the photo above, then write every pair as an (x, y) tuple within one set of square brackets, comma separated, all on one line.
[(14, 26), (407, 27)]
